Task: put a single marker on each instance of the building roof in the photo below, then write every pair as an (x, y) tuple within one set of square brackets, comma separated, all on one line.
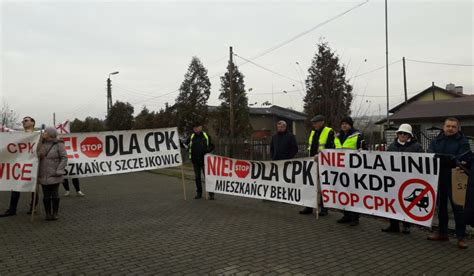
[(276, 110), (279, 111), (427, 90), (439, 109)]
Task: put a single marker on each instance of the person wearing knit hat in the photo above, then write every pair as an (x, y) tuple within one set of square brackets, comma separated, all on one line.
[(51, 171), (349, 138), (348, 120)]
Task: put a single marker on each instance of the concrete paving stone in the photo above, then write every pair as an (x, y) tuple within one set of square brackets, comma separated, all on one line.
[(138, 223)]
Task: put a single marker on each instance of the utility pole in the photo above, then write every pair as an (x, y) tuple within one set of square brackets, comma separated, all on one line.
[(54, 119), (386, 62), (231, 98), (109, 92), (405, 81)]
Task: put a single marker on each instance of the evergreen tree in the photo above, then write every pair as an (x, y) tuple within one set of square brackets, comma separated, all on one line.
[(327, 90), (120, 116), (191, 103), (90, 124), (242, 127), (166, 117), (145, 119)]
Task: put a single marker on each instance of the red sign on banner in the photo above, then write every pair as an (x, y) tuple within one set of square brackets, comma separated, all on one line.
[(417, 193), (91, 147), (242, 168), (70, 145)]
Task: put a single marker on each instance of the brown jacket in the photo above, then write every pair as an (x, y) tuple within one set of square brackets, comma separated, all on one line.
[(53, 161)]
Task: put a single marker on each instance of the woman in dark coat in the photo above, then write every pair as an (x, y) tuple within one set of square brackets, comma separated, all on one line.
[(53, 161), (405, 142)]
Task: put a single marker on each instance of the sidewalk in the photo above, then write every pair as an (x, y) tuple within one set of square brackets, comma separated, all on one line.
[(189, 175), (139, 224)]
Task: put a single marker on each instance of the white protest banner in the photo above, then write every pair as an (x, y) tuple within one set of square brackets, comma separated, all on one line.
[(18, 161), (113, 152), (290, 181), (394, 185)]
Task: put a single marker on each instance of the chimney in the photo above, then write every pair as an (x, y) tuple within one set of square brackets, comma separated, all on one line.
[(450, 87), (458, 89)]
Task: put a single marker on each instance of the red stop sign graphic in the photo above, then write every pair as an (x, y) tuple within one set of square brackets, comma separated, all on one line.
[(91, 147), (241, 168)]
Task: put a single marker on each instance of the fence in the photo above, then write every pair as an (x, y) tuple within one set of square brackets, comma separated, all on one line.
[(260, 149), (424, 137), (250, 149)]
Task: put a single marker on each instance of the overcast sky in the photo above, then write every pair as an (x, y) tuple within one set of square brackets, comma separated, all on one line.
[(56, 56)]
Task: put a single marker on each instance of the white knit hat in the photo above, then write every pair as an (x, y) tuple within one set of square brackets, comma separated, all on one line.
[(405, 128)]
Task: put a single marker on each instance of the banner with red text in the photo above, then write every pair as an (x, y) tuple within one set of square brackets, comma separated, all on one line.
[(18, 161), (113, 152), (290, 181), (395, 185)]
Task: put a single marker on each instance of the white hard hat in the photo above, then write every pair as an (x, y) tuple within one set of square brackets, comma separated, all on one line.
[(405, 128)]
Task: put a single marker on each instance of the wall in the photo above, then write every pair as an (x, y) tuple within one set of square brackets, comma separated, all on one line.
[(439, 95)]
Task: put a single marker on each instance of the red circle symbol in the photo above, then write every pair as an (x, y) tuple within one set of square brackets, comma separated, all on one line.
[(91, 147), (242, 168), (417, 198)]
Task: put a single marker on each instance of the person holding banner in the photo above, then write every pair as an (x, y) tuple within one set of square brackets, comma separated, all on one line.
[(199, 143), (321, 137), (53, 161), (283, 145), (448, 145), (349, 138), (29, 126), (405, 142)]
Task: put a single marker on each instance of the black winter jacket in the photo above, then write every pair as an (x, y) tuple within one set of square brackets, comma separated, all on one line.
[(199, 147), (283, 146), (448, 147), (412, 146)]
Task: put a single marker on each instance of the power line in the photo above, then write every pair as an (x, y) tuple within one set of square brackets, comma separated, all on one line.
[(440, 63), (384, 96), (282, 92), (376, 69), (156, 97), (135, 91), (272, 49), (306, 32), (266, 69)]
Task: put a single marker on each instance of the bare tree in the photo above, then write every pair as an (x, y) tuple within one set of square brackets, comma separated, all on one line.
[(8, 117)]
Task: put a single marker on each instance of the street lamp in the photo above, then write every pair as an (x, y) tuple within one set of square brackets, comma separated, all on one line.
[(109, 91)]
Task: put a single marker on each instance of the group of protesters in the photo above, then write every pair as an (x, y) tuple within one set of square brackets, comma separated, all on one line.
[(53, 161), (450, 146)]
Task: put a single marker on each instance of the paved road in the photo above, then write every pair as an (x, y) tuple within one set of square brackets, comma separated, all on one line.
[(139, 224)]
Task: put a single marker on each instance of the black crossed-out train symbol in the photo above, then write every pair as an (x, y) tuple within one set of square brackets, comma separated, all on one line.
[(423, 202)]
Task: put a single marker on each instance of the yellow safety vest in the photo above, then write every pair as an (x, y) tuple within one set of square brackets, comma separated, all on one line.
[(323, 138), (349, 143), (191, 142)]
